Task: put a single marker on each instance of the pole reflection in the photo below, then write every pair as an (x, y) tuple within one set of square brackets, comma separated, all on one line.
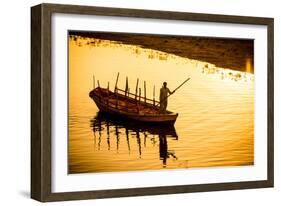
[(113, 127)]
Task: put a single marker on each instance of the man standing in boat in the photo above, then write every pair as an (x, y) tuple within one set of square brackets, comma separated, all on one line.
[(164, 91)]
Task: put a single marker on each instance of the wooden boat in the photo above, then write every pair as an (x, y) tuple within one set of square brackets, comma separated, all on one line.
[(131, 106)]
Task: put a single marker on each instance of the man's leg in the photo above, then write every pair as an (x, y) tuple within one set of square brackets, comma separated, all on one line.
[(165, 106), (161, 109)]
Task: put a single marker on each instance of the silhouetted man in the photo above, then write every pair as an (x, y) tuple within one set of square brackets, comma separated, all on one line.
[(164, 91)]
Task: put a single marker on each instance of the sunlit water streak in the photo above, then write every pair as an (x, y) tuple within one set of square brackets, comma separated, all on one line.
[(215, 126)]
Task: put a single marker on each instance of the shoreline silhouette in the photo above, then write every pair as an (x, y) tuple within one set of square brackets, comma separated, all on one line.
[(222, 52)]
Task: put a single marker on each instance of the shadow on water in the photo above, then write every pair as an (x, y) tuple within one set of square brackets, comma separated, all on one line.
[(104, 125)]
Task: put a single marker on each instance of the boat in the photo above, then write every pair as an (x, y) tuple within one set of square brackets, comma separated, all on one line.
[(131, 106)]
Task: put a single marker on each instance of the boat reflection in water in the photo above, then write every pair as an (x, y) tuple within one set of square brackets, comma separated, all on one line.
[(116, 127)]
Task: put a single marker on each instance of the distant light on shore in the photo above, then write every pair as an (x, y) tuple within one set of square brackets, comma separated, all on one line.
[(248, 65)]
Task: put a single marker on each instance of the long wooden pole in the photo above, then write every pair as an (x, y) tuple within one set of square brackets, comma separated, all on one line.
[(99, 87), (181, 85), (137, 88), (154, 95), (139, 94), (94, 86), (144, 91), (116, 82), (126, 87)]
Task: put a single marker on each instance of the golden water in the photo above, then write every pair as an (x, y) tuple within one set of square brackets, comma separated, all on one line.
[(215, 126)]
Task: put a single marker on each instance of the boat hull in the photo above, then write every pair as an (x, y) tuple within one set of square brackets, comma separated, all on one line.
[(156, 118)]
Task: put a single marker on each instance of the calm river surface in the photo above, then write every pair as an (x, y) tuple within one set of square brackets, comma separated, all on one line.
[(215, 126)]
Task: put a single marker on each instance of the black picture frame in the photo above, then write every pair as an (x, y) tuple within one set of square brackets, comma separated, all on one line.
[(41, 116)]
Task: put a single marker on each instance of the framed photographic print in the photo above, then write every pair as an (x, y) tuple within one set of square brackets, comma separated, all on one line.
[(130, 102)]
